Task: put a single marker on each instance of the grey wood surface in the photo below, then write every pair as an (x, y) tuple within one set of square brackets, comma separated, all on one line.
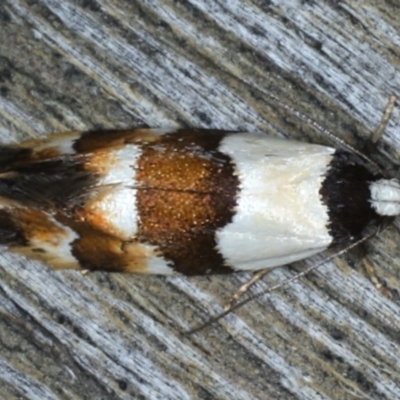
[(84, 64)]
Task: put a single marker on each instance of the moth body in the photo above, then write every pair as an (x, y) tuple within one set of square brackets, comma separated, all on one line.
[(185, 201)]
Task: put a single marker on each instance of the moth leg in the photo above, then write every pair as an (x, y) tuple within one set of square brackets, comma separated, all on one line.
[(385, 119), (245, 287), (370, 271), (372, 276), (85, 272), (377, 134)]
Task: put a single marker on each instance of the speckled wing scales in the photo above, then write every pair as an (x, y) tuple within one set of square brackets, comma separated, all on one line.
[(115, 200)]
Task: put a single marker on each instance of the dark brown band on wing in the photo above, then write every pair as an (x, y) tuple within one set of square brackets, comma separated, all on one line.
[(11, 233), (11, 156), (35, 234), (95, 250), (92, 141), (53, 184), (187, 190)]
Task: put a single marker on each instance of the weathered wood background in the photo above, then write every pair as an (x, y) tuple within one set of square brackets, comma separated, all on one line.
[(84, 64)]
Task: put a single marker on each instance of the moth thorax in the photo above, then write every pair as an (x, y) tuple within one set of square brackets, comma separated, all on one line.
[(385, 197)]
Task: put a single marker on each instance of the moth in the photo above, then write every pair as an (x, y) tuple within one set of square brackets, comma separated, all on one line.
[(185, 201), (188, 201)]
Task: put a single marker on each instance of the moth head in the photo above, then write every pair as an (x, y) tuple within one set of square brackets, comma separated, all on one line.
[(385, 197)]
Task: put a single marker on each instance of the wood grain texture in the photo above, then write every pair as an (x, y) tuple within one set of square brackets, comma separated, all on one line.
[(86, 64)]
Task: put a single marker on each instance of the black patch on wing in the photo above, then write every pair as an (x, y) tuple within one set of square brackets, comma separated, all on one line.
[(346, 193), (10, 232), (9, 156), (58, 183)]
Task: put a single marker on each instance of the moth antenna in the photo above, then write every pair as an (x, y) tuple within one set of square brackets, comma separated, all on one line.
[(285, 283), (325, 131)]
